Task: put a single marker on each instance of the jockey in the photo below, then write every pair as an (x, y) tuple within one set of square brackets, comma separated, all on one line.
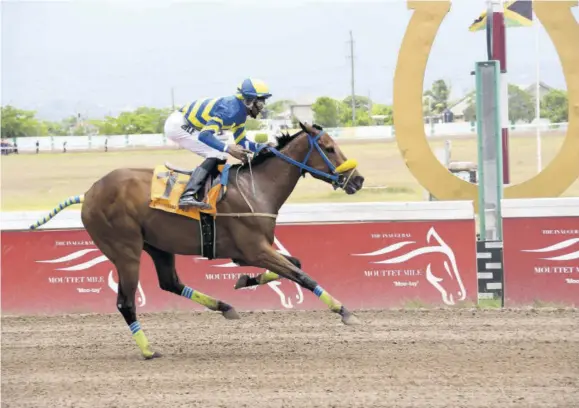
[(199, 125)]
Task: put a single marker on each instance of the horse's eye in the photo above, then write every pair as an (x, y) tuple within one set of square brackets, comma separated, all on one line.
[(330, 149)]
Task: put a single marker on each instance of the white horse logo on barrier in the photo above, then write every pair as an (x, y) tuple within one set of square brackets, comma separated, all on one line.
[(450, 275), (555, 247), (285, 300), (112, 284)]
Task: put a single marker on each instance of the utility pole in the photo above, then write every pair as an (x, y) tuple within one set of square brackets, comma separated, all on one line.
[(172, 98), (352, 64)]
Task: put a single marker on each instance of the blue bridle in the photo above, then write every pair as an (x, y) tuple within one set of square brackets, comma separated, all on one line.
[(336, 178)]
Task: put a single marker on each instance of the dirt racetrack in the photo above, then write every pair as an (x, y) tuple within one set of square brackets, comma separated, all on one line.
[(415, 358)]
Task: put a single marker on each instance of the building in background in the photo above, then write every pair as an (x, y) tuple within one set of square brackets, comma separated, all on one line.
[(302, 109)]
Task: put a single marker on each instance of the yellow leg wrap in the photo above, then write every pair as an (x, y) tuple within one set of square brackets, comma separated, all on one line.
[(204, 300), (200, 298), (325, 297), (268, 277), (143, 343)]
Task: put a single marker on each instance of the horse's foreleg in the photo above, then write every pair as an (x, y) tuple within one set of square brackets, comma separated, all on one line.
[(169, 281), (246, 281), (274, 261)]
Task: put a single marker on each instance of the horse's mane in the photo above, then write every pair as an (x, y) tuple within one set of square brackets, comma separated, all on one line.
[(282, 141)]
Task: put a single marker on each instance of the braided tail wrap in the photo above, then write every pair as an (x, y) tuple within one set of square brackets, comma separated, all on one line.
[(79, 199)]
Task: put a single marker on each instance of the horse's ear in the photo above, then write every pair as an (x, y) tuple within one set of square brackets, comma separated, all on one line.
[(303, 126)]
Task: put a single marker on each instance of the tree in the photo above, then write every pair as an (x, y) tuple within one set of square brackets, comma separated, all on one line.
[(365, 109), (555, 106), (143, 120), (361, 103), (439, 94), (55, 128), (363, 118), (379, 109), (253, 124), (470, 112), (73, 126), (521, 105), (279, 106), (275, 108), (20, 123), (106, 126), (326, 112)]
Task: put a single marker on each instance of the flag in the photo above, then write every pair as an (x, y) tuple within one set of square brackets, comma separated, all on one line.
[(518, 13)]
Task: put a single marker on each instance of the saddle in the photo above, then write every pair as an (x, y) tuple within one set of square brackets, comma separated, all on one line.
[(167, 185), (211, 181)]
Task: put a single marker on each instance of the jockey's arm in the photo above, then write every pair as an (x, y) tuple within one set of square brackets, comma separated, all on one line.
[(240, 138), (207, 134)]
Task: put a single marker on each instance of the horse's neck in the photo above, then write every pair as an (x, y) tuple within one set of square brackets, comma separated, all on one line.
[(276, 180)]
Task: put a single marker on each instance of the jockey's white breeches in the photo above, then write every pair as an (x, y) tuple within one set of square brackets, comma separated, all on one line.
[(174, 130)]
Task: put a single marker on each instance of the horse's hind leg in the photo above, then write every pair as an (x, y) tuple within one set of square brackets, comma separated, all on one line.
[(246, 281), (128, 271), (125, 254), (169, 281), (124, 251)]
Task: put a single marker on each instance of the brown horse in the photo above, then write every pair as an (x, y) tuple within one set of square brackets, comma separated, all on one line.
[(117, 216)]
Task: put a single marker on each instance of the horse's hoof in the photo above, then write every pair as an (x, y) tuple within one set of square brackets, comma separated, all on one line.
[(241, 282), (231, 314), (155, 354), (351, 320)]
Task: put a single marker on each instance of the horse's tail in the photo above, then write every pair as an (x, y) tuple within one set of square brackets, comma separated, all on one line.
[(79, 199)]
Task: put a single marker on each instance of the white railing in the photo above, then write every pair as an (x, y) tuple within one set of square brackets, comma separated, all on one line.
[(345, 212), (289, 214), (115, 142)]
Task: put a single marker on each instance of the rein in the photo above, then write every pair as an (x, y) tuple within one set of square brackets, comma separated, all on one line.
[(334, 173)]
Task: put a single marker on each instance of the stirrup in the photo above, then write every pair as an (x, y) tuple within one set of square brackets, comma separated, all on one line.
[(190, 201)]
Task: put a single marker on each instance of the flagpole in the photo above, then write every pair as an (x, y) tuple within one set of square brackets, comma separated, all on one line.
[(500, 54), (489, 30), (538, 98)]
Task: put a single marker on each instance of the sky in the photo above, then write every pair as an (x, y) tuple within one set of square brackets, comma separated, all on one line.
[(98, 57)]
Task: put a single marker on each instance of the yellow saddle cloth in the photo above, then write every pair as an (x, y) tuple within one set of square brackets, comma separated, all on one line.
[(168, 185)]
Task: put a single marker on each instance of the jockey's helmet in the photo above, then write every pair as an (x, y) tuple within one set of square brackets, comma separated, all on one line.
[(254, 93), (253, 88)]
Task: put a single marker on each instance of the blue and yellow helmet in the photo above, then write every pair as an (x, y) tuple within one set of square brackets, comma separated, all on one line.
[(253, 88)]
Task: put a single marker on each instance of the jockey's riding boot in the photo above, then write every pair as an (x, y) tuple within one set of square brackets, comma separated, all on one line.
[(196, 183)]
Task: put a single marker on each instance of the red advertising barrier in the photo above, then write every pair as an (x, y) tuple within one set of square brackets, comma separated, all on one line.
[(364, 265), (541, 260)]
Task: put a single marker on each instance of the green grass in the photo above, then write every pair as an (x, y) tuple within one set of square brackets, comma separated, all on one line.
[(413, 304), (39, 182), (489, 304)]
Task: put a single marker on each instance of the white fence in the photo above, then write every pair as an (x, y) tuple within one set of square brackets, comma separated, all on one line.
[(288, 214), (344, 212), (438, 130)]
